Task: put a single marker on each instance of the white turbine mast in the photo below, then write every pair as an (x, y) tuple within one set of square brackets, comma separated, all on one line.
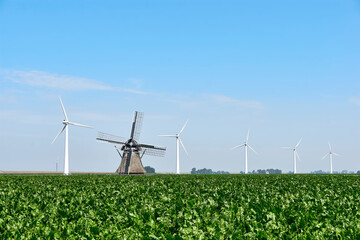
[(66, 123), (296, 155), (246, 146), (178, 141), (330, 153)]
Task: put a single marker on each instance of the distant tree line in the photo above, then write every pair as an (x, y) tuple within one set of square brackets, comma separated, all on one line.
[(207, 171), (149, 169), (264, 171), (319, 172), (259, 171), (335, 172)]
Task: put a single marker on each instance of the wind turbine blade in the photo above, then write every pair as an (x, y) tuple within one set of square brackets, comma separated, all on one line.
[(252, 149), (183, 127), (239, 146), (336, 154), (63, 108), (79, 125), (166, 135), (329, 146), (298, 143), (247, 137), (59, 134), (183, 146), (325, 156)]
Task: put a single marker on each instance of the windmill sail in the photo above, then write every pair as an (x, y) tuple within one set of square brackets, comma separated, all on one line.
[(105, 137), (136, 125), (151, 150)]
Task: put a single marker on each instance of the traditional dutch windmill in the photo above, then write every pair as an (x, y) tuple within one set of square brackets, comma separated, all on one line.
[(132, 150)]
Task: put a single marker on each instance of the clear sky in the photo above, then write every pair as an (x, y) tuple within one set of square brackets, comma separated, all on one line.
[(284, 69)]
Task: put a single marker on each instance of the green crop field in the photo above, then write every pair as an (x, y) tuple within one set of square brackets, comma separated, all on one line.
[(180, 207)]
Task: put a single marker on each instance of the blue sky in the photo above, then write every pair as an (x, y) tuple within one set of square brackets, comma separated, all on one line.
[(284, 69)]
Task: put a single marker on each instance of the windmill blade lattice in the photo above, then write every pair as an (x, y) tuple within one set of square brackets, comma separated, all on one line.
[(105, 137), (136, 126), (151, 150)]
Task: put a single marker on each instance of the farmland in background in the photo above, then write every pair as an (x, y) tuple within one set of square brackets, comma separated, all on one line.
[(180, 206)]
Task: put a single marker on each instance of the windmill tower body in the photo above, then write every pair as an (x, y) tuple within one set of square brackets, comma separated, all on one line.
[(131, 160), (131, 164), (133, 151)]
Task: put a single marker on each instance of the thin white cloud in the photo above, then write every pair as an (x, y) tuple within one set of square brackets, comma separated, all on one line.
[(355, 101), (49, 80), (21, 116), (229, 101), (59, 81), (130, 90), (212, 100), (185, 101)]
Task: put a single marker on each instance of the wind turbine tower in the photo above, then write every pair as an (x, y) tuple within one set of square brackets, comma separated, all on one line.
[(246, 146), (66, 123), (296, 155), (330, 153), (178, 142)]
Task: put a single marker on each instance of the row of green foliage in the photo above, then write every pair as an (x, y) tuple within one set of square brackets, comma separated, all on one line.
[(185, 206), (207, 171)]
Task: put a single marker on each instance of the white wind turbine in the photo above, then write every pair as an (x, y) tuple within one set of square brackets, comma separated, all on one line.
[(178, 140), (331, 158), (296, 155), (66, 123), (246, 146)]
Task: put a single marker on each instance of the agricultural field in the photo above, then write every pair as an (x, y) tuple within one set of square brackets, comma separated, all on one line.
[(180, 207)]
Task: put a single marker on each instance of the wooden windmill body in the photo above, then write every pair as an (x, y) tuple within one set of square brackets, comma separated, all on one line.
[(130, 162), (133, 152)]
